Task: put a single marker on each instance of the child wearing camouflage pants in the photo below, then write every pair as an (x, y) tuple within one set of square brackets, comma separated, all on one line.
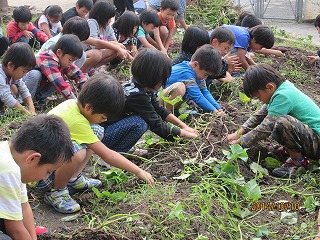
[(288, 115)]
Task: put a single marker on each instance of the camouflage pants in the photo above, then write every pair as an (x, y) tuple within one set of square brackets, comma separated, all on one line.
[(294, 135)]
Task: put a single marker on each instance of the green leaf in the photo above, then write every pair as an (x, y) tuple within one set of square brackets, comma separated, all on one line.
[(310, 204), (252, 190), (243, 98), (289, 218), (183, 176), (201, 237), (189, 161), (236, 149), (97, 192), (271, 163), (256, 168), (241, 213), (228, 168), (226, 153), (262, 231), (70, 218), (177, 211)]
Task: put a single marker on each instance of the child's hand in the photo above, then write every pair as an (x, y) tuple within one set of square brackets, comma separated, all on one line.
[(145, 176), (28, 34), (237, 141), (191, 130), (312, 59), (122, 53), (234, 136), (219, 111), (187, 134)]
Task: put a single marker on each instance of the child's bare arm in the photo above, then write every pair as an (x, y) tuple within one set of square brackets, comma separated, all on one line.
[(186, 131), (312, 59), (46, 29), (24, 229), (146, 42), (172, 31), (275, 52), (29, 102), (21, 108), (227, 78), (183, 23), (157, 38), (117, 160)]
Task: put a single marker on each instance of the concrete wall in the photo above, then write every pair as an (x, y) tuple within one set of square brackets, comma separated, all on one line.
[(311, 9)]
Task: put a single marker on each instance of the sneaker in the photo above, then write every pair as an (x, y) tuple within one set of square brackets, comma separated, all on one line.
[(61, 201), (291, 168), (82, 183), (43, 185)]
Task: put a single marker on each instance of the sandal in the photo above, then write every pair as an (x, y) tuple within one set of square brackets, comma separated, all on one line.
[(291, 167)]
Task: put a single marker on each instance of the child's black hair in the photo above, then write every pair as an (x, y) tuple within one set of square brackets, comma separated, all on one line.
[(104, 94), (258, 76), (22, 14), (48, 135), (126, 23), (102, 11), (263, 35), (250, 21), (151, 68), (85, 3), (194, 37), (53, 11), (317, 21), (242, 15), (77, 26), (223, 34), (149, 16), (173, 5), (209, 59), (19, 54), (69, 44)]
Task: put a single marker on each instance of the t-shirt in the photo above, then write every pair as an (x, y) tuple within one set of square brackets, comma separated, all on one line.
[(50, 42), (289, 100), (12, 191), (72, 12), (80, 129), (171, 24), (196, 89), (54, 26), (106, 34), (242, 36), (141, 33), (180, 13)]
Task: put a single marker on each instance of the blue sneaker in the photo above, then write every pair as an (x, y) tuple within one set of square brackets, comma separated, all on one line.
[(43, 185), (82, 183), (61, 200)]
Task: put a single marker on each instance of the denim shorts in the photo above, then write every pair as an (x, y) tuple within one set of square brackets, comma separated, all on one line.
[(98, 131)]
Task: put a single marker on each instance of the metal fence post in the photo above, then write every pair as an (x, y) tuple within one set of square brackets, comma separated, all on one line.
[(299, 7), (259, 8)]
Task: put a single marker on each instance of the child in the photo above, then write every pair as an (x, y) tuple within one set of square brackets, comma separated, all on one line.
[(150, 70), (205, 61), (20, 29), (167, 29), (155, 4), (102, 46), (18, 60), (293, 124), (253, 39), (77, 26), (49, 21), (81, 9), (125, 29), (149, 22), (41, 145), (54, 67), (100, 98), (312, 59), (122, 5)]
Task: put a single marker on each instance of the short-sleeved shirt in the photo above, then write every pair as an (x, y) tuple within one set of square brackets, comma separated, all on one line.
[(170, 25), (242, 36), (72, 12), (289, 100), (50, 42), (54, 26), (80, 128), (107, 33), (12, 191), (180, 13), (141, 33)]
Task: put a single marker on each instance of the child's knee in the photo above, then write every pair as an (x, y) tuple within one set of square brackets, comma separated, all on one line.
[(79, 156), (164, 32)]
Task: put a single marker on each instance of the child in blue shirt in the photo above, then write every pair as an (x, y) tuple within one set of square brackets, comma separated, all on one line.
[(204, 62), (253, 39), (288, 115)]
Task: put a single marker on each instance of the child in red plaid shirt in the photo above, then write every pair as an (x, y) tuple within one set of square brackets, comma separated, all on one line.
[(55, 68)]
